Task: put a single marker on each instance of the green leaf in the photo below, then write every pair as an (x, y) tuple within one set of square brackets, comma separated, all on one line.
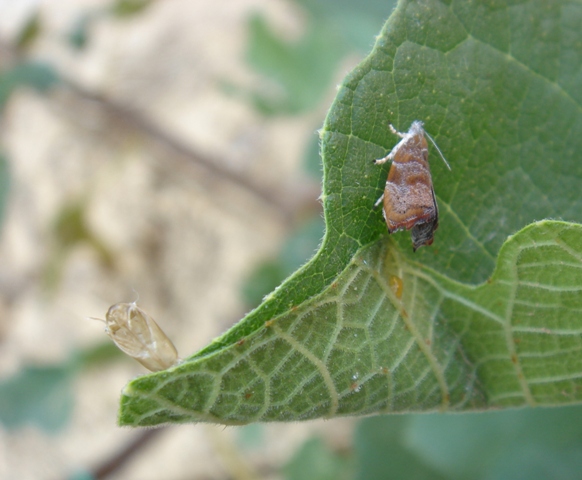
[(41, 396), (128, 8), (97, 355), (369, 327), (70, 229), (314, 460), (382, 453), (296, 250), (528, 444), (355, 22), (299, 73), (251, 437), (29, 32), (37, 75), (78, 36), (4, 185), (312, 159)]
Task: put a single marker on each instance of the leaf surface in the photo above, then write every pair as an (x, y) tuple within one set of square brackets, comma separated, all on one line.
[(478, 320)]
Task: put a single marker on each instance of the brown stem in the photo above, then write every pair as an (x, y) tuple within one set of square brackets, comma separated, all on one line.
[(174, 146), (287, 201), (117, 461)]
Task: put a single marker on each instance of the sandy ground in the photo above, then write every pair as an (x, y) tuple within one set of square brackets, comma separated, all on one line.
[(181, 237)]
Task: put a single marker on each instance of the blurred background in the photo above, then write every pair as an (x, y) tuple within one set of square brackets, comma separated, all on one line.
[(167, 152)]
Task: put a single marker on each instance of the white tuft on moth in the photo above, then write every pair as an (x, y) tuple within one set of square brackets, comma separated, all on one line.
[(137, 334)]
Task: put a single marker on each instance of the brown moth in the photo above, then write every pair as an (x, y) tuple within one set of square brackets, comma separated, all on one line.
[(409, 200), (139, 336)]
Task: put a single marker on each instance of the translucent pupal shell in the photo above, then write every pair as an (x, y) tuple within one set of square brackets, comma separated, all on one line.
[(140, 337)]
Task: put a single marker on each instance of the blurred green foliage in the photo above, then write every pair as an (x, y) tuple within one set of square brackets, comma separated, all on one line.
[(381, 454), (4, 186), (70, 229), (79, 34), (40, 396), (357, 23), (43, 395), (128, 8), (298, 73), (299, 247), (312, 159), (314, 460), (30, 32), (40, 76), (524, 444), (251, 436)]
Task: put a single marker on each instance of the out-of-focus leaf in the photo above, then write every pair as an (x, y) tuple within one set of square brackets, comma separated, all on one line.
[(298, 73), (70, 229), (262, 279), (43, 395), (81, 475), (29, 33), (78, 36), (4, 186), (381, 454), (356, 22), (302, 244), (314, 460), (251, 436), (38, 75), (127, 8), (312, 159), (70, 226), (528, 444), (40, 396), (97, 356), (296, 250)]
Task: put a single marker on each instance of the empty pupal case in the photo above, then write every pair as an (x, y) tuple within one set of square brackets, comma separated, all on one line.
[(140, 337)]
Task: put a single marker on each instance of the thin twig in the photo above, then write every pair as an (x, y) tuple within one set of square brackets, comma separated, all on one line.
[(166, 140), (117, 461), (288, 203)]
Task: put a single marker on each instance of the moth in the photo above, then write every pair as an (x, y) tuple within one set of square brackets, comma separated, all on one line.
[(409, 200), (137, 334)]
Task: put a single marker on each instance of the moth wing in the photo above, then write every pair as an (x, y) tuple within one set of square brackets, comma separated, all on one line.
[(408, 199), (423, 233)]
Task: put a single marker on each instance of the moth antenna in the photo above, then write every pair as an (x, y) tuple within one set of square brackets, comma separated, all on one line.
[(438, 149), (137, 294)]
